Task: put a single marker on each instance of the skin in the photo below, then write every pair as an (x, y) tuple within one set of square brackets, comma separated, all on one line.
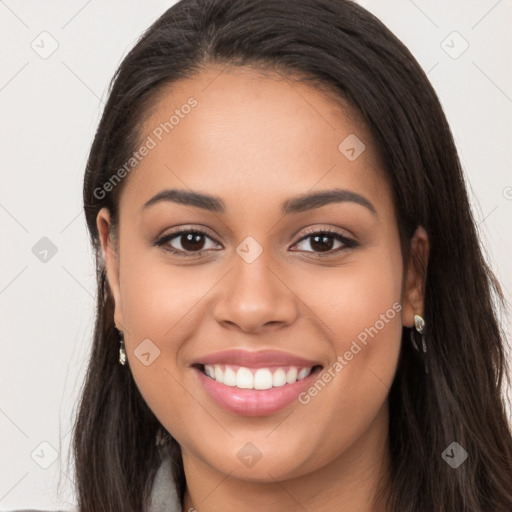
[(256, 140)]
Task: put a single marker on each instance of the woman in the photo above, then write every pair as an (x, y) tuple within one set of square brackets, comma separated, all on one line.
[(293, 308)]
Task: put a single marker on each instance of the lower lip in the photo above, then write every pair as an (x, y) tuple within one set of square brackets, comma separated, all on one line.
[(254, 402)]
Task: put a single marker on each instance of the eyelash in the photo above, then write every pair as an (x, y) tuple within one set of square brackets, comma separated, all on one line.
[(348, 243)]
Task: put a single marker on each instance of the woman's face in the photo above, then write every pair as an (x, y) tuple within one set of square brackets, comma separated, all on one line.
[(263, 278)]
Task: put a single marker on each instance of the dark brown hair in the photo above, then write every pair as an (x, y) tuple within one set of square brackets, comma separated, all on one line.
[(339, 44)]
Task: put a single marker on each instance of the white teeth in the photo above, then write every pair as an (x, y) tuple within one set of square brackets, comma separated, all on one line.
[(279, 378), (244, 378), (291, 376), (261, 378), (229, 377), (303, 373)]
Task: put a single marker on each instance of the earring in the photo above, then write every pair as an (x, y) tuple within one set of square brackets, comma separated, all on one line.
[(419, 326), (122, 352)]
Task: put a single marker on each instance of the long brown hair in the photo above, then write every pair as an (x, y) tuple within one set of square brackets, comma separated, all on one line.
[(342, 46)]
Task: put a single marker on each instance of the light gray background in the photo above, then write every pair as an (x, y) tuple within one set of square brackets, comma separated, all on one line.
[(50, 109)]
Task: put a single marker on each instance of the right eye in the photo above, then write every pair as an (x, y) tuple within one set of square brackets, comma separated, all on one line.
[(191, 242)]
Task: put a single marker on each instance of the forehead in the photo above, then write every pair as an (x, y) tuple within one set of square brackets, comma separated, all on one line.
[(247, 134)]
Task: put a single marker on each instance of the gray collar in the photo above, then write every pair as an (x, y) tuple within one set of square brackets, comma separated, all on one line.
[(164, 497)]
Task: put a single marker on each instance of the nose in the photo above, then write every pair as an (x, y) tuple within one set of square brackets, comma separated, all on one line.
[(255, 297)]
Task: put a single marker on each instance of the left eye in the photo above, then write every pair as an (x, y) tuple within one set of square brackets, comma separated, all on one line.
[(322, 241)]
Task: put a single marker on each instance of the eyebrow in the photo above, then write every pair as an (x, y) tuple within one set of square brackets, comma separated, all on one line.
[(292, 205)]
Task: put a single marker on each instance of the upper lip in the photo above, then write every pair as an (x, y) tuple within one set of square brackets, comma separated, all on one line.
[(261, 358)]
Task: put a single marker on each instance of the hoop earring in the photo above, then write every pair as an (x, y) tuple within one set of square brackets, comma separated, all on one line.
[(122, 352), (419, 327)]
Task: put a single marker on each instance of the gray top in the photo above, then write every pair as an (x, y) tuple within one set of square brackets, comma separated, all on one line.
[(164, 497)]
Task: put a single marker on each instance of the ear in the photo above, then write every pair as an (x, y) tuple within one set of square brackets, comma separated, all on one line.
[(111, 259), (414, 286)]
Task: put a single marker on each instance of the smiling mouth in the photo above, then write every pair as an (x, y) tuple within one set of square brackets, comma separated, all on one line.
[(243, 377)]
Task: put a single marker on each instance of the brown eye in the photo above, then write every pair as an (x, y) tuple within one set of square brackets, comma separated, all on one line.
[(324, 242), (192, 241), (185, 241)]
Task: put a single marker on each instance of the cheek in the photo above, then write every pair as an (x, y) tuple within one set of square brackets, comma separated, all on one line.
[(159, 305), (360, 300), (361, 308), (159, 298)]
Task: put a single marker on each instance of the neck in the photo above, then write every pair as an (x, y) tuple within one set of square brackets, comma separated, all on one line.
[(359, 479)]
